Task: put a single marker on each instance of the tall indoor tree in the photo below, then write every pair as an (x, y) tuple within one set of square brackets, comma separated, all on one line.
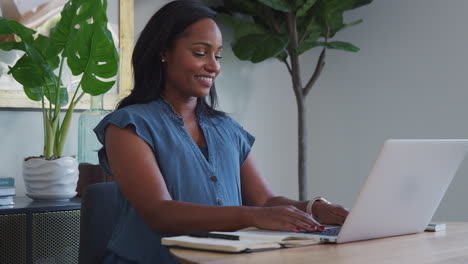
[(286, 29)]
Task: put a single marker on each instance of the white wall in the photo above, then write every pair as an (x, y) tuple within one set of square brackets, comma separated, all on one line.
[(406, 82), (21, 136)]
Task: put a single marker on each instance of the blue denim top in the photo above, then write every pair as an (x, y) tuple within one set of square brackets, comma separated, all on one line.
[(186, 171)]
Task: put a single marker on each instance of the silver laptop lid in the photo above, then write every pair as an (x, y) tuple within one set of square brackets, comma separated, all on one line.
[(404, 188)]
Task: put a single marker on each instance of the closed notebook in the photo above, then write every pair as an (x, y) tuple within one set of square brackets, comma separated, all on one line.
[(250, 240)]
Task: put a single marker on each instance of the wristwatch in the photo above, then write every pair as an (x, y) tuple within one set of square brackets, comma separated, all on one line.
[(311, 202)]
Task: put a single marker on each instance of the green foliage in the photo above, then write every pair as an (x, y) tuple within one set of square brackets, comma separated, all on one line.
[(82, 41), (258, 47), (260, 26), (280, 29), (280, 5), (302, 9)]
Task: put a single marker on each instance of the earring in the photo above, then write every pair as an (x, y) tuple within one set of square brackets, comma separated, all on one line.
[(163, 60)]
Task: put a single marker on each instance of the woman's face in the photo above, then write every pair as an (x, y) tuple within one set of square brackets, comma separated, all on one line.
[(192, 64)]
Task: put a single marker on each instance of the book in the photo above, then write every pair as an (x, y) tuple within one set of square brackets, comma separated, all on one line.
[(249, 240), (7, 182), (8, 191), (6, 200)]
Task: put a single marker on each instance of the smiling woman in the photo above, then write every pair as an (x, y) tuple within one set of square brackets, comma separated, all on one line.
[(180, 164), (193, 62)]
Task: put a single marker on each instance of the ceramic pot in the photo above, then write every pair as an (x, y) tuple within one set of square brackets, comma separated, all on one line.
[(50, 179)]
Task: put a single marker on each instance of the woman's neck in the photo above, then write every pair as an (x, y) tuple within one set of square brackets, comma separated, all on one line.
[(183, 106)]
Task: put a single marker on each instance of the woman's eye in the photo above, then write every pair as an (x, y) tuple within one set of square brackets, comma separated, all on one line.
[(218, 57), (199, 54)]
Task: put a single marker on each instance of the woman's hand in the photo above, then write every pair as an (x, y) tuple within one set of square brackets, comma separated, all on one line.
[(284, 218), (329, 214)]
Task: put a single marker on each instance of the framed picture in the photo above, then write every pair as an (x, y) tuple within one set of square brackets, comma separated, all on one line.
[(40, 14)]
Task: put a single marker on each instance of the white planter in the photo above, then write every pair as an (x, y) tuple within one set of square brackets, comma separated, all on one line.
[(50, 179)]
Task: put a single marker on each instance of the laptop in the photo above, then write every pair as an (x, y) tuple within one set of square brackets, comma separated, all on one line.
[(403, 190)]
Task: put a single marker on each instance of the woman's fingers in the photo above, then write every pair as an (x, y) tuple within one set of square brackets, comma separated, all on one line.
[(286, 218), (332, 214), (302, 221)]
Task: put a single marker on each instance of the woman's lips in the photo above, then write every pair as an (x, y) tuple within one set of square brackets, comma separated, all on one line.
[(206, 81)]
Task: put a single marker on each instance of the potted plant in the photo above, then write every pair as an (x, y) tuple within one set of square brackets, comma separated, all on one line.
[(80, 39), (285, 29)]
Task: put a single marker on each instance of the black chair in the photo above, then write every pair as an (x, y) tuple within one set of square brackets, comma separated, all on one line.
[(99, 211)]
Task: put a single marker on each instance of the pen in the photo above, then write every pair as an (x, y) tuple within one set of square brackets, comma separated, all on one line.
[(213, 235)]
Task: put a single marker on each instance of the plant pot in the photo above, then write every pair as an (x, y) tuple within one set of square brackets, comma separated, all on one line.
[(50, 179)]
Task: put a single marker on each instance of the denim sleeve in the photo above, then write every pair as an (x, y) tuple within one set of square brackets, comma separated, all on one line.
[(121, 118), (245, 140)]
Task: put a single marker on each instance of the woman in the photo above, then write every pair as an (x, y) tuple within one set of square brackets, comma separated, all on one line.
[(181, 165)]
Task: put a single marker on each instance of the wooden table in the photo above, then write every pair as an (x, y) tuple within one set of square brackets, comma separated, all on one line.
[(450, 246)]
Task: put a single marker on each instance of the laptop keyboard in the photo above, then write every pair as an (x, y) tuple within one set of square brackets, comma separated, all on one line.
[(331, 231)]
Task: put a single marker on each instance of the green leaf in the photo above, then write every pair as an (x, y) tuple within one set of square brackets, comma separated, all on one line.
[(313, 32), (340, 45), (27, 73), (8, 27), (75, 14), (280, 5), (41, 43), (330, 13), (305, 7), (350, 24), (240, 27), (37, 59), (52, 97), (248, 7), (94, 55), (259, 47), (8, 46), (305, 46), (254, 11), (282, 56), (34, 93)]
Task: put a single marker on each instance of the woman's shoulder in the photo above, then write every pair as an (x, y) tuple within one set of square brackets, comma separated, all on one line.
[(136, 115), (224, 120), (138, 109)]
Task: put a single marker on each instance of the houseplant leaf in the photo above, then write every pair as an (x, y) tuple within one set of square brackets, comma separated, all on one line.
[(330, 13), (259, 47), (280, 5), (243, 6), (74, 14), (98, 60), (63, 96), (8, 27), (240, 27), (302, 9), (8, 46), (27, 73), (252, 10), (340, 45)]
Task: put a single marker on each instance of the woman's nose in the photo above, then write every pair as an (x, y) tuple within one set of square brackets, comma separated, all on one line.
[(213, 66)]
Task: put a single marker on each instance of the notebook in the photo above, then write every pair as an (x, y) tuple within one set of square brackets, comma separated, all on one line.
[(247, 240), (403, 190)]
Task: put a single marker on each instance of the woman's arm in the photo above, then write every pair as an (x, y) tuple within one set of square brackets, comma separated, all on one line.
[(138, 175), (256, 192)]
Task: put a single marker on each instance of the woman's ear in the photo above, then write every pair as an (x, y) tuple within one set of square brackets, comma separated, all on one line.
[(164, 55)]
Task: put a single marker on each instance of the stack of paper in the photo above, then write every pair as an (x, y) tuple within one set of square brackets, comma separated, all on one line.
[(249, 240)]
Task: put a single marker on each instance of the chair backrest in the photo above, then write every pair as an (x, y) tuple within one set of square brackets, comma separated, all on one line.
[(99, 211)]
